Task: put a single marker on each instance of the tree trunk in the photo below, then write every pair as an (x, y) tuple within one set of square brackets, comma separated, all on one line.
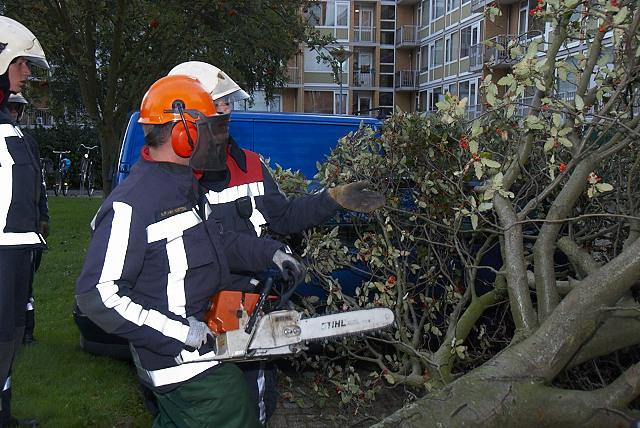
[(478, 400)]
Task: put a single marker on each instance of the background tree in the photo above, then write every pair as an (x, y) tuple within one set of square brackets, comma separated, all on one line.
[(106, 54), (509, 246)]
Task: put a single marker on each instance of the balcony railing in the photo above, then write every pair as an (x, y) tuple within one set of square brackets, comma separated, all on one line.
[(407, 36), (499, 53), (364, 34), (362, 79), (406, 79), (293, 76), (478, 5)]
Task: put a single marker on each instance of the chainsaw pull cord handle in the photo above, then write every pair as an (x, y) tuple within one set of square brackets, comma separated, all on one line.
[(263, 296)]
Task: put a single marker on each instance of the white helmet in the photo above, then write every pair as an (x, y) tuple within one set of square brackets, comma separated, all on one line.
[(216, 81), (16, 40), (17, 99)]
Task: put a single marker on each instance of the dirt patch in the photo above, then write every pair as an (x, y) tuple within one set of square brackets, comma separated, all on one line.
[(305, 401)]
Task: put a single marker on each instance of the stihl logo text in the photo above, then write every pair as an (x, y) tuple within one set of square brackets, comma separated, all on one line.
[(334, 324)]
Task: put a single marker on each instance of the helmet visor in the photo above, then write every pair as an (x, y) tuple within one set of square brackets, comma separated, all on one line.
[(210, 152)]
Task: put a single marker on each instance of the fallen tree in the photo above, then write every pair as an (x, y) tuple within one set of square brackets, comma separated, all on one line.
[(508, 247)]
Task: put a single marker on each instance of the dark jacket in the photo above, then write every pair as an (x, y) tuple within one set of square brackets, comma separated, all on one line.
[(153, 262), (21, 194), (247, 199)]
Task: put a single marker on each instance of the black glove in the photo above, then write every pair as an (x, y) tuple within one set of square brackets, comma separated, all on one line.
[(290, 269), (199, 334), (44, 229), (356, 197)]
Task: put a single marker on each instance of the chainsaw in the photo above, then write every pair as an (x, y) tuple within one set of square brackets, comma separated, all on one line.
[(244, 332)]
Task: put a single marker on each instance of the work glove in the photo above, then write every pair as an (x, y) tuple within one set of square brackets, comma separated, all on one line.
[(199, 334), (43, 228), (290, 269), (357, 197)]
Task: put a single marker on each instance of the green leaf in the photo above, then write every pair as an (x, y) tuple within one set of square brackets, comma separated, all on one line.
[(579, 103), (485, 206), (389, 379), (604, 187), (474, 221), (490, 163), (620, 16), (565, 142)]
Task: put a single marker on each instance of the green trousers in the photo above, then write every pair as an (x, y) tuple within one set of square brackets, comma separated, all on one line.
[(221, 399)]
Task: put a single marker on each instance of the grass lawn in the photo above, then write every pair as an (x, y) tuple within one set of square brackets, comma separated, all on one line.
[(54, 380)]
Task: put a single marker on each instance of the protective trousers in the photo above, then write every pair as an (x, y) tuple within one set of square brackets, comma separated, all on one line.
[(221, 399), (15, 275)]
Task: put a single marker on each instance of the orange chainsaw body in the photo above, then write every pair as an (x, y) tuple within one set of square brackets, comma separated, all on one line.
[(226, 309)]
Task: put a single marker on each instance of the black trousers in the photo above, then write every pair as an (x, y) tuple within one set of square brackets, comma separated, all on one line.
[(15, 276)]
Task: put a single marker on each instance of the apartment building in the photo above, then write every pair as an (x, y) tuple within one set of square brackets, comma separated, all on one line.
[(405, 53)]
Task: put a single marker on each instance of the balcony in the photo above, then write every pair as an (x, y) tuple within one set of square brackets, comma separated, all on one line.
[(479, 5), (407, 36), (294, 78), (406, 80), (499, 55), (364, 35), (362, 79)]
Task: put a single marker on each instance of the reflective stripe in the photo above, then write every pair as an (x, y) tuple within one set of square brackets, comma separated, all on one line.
[(112, 270), (6, 178), (232, 194), (172, 229), (7, 383), (261, 389), (175, 374)]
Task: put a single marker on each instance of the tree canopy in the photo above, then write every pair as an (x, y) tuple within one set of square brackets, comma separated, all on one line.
[(105, 54)]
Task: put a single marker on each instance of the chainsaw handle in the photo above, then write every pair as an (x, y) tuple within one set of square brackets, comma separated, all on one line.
[(256, 311), (285, 295)]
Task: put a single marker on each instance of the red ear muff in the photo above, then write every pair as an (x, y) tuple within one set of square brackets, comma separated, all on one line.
[(180, 138)]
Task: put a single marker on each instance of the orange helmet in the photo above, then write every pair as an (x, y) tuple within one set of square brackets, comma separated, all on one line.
[(198, 128), (158, 105)]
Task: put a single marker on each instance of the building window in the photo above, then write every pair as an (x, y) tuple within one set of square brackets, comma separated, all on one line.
[(386, 80), (424, 15), (452, 5), (311, 63), (388, 12), (435, 54), (318, 102), (258, 102), (450, 48), (469, 36), (424, 58), (328, 14), (437, 9), (469, 89)]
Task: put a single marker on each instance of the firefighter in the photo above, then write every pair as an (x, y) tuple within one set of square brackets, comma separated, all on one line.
[(19, 197), (247, 199), (16, 106), (157, 256)]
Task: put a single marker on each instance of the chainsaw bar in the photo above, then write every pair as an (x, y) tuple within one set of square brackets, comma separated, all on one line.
[(345, 323)]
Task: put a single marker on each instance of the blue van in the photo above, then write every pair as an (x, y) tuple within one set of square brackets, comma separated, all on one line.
[(291, 140)]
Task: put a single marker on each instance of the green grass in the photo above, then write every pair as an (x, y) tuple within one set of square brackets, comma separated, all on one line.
[(54, 380)]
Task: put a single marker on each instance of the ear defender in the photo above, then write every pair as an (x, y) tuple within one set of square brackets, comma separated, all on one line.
[(180, 138)]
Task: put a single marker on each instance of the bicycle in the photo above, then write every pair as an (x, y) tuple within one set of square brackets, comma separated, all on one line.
[(61, 181), (46, 166), (87, 174)]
